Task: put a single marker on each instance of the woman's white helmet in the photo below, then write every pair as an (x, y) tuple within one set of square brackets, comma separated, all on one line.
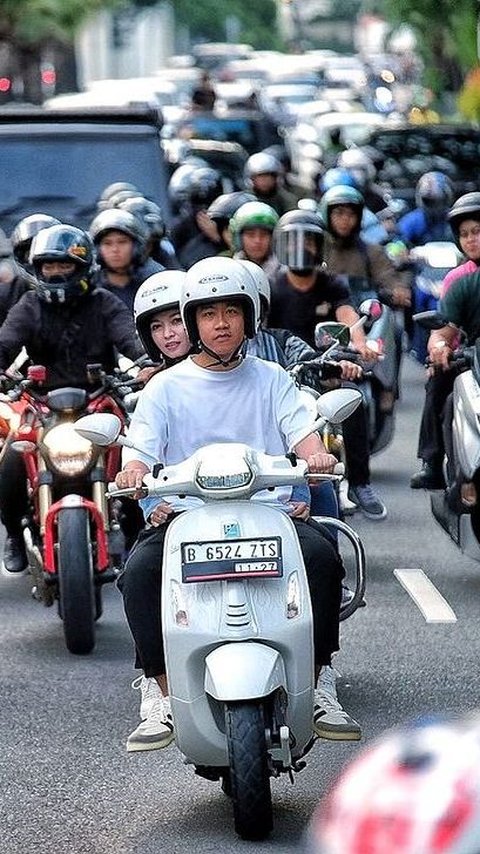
[(216, 279), (159, 292), (261, 280)]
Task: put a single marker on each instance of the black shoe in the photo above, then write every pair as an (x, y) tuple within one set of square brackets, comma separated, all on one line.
[(14, 557), (430, 476)]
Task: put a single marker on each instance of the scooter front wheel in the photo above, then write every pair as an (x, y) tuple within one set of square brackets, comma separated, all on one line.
[(249, 777)]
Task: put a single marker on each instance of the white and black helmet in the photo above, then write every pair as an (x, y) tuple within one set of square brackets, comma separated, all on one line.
[(159, 292), (215, 279)]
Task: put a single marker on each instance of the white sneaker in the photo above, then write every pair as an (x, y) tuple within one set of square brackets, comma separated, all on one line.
[(156, 731), (330, 720), (150, 690)]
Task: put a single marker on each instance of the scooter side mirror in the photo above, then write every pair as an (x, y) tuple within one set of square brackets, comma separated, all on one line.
[(102, 428), (371, 310), (328, 332), (430, 320), (338, 404)]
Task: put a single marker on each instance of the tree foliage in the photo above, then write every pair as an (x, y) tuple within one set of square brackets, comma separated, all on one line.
[(206, 20), (446, 33)]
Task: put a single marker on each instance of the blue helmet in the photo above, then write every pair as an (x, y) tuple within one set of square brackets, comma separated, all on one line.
[(335, 176), (434, 193)]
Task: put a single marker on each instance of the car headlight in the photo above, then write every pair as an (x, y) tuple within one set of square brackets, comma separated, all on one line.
[(69, 453)]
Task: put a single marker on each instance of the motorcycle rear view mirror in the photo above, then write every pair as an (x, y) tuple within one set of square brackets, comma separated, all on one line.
[(430, 320), (337, 405), (101, 429), (104, 429), (328, 333), (371, 309)]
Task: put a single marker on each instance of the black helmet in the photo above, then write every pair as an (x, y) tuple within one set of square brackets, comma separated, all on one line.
[(205, 186), (111, 190), (63, 243), (117, 199), (22, 236), (149, 214), (179, 184), (298, 240), (339, 196), (115, 219), (466, 207), (227, 204)]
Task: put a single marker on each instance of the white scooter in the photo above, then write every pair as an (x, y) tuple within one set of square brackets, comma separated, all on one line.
[(236, 613)]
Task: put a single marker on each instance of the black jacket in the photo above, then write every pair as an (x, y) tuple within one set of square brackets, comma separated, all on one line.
[(66, 338), (137, 277)]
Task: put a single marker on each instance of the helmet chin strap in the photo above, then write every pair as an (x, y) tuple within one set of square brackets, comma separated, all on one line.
[(236, 356)]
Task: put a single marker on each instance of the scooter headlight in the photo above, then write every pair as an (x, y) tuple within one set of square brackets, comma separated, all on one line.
[(218, 471), (68, 452)]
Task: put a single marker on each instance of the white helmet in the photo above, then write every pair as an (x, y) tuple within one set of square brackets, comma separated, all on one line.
[(261, 280), (215, 279), (159, 292), (262, 164)]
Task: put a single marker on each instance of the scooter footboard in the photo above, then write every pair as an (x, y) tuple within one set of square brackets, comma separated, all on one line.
[(243, 671)]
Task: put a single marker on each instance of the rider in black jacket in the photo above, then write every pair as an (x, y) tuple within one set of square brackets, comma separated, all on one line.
[(64, 324)]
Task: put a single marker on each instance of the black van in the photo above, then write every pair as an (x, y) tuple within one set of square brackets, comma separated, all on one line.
[(58, 162)]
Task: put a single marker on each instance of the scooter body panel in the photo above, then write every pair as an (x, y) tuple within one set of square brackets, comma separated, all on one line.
[(217, 614), (466, 424)]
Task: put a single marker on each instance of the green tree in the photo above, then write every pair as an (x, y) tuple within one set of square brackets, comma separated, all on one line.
[(27, 27), (446, 33), (206, 20)]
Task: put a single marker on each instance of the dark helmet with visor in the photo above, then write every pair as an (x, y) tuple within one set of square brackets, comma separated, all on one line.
[(68, 245), (21, 240), (298, 241)]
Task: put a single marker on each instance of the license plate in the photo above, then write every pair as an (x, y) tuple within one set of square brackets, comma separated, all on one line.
[(215, 560)]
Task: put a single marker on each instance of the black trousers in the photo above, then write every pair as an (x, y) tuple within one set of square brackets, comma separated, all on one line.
[(431, 447), (13, 492), (357, 451), (141, 587)]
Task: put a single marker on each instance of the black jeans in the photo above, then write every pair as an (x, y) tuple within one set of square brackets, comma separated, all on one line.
[(13, 492), (357, 451), (141, 587), (431, 447)]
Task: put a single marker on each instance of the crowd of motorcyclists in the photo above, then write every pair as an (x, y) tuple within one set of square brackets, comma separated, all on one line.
[(236, 275)]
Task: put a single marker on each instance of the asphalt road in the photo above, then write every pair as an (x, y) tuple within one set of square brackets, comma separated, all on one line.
[(67, 783)]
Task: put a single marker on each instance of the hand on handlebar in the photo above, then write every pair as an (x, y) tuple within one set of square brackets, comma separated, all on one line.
[(322, 463), (350, 371), (132, 478)]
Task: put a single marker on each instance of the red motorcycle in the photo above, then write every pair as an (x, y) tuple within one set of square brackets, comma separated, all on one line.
[(73, 538)]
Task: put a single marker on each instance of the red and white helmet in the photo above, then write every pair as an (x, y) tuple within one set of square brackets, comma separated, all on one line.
[(415, 791)]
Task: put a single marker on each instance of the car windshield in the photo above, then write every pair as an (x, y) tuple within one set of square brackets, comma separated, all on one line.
[(64, 175)]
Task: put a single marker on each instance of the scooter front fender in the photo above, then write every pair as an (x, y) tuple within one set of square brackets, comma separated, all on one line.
[(243, 671)]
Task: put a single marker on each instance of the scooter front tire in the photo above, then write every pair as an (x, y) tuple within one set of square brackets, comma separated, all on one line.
[(249, 778)]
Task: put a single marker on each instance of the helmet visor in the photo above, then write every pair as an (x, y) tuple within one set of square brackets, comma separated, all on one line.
[(299, 249)]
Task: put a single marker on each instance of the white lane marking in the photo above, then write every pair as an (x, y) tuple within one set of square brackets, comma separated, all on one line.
[(428, 599)]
